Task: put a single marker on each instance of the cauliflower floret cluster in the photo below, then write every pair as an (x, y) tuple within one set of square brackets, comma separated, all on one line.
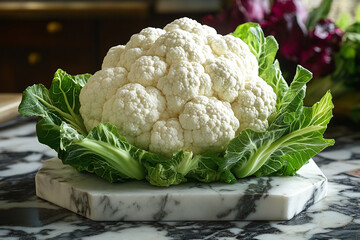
[(183, 87)]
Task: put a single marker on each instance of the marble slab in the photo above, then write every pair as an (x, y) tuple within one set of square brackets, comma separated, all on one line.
[(265, 198)]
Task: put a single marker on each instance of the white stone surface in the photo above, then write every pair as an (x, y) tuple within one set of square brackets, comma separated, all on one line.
[(265, 198)]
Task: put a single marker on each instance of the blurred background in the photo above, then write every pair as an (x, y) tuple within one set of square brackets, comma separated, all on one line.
[(38, 37)]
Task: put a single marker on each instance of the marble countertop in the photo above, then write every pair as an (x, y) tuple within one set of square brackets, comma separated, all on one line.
[(24, 216)]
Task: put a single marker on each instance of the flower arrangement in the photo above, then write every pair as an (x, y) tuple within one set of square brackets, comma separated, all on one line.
[(330, 50)]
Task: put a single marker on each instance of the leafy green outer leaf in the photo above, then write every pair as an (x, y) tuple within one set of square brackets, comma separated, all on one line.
[(163, 174), (296, 91), (262, 153), (208, 170), (283, 149), (164, 171), (318, 13), (290, 101), (268, 54), (263, 48), (48, 131), (306, 136), (274, 78), (102, 149), (64, 93), (60, 103), (252, 35)]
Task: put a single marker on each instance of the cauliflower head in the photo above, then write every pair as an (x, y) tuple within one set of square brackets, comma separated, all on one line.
[(183, 87)]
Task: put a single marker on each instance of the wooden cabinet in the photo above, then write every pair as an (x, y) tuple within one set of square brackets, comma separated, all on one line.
[(73, 36), (31, 50)]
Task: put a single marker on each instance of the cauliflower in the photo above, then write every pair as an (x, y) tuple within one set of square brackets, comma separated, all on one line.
[(183, 87), (255, 104), (209, 124)]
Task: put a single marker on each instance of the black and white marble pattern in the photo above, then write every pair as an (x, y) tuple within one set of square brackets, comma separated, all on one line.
[(24, 216), (265, 198)]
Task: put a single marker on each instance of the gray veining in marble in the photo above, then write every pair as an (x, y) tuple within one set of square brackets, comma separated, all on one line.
[(265, 198), (25, 216)]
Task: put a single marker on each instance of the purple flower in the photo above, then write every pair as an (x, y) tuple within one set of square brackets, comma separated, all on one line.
[(238, 12), (318, 60), (286, 22), (290, 32), (283, 7), (325, 33), (321, 43)]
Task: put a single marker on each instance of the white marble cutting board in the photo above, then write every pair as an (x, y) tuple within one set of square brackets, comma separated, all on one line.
[(265, 198)]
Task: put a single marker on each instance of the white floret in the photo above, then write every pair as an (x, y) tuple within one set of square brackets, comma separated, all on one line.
[(218, 44), (145, 39), (246, 60), (112, 57), (138, 46), (226, 77), (245, 64), (167, 137), (133, 110), (208, 123), (255, 104), (191, 26), (179, 45), (99, 88), (236, 45), (184, 81), (147, 70), (128, 57)]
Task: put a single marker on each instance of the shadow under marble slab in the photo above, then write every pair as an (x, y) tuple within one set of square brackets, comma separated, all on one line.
[(264, 198)]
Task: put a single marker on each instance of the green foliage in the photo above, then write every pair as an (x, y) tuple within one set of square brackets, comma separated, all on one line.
[(60, 103), (318, 13), (103, 151), (263, 48), (293, 138), (343, 21)]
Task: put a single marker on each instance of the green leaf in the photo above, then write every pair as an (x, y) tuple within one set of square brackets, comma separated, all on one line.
[(34, 101), (304, 140), (64, 93), (103, 152), (162, 171), (48, 131), (183, 166), (318, 13), (263, 48), (268, 54), (274, 78), (262, 153), (289, 142), (252, 35), (208, 170), (343, 21), (163, 174), (54, 106), (295, 94), (357, 13)]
